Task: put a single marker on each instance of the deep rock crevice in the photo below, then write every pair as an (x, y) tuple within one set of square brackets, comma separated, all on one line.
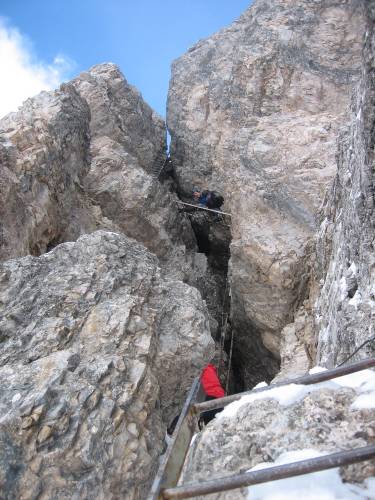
[(241, 342)]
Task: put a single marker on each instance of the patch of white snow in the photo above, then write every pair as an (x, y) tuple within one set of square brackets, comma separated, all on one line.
[(364, 401), (285, 395), (324, 485), (356, 300), (353, 268), (343, 288), (317, 369), (363, 382)]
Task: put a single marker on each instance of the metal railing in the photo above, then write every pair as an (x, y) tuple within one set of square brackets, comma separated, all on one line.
[(219, 212), (294, 469), (165, 484), (304, 380)]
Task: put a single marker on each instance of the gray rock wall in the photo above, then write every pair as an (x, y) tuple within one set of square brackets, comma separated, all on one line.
[(97, 352), (254, 112), (79, 159), (345, 309), (44, 155), (98, 345)]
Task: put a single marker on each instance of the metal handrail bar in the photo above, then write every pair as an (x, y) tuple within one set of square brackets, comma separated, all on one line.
[(304, 380), (203, 208), (299, 468), (173, 459)]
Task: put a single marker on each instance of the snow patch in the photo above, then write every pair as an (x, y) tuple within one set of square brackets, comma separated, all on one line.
[(285, 395), (353, 268), (343, 288), (363, 382), (317, 369), (324, 485), (356, 300), (364, 401)]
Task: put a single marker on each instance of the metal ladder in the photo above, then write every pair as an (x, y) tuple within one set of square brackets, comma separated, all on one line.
[(167, 478), (157, 170)]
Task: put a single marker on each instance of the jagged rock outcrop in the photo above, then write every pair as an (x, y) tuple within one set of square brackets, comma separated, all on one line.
[(345, 309), (128, 141), (81, 158), (96, 351), (297, 422), (254, 112), (302, 421), (44, 158), (338, 316)]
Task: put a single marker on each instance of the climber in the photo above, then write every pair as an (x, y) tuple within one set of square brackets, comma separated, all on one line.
[(213, 390), (200, 197), (214, 200), (208, 199)]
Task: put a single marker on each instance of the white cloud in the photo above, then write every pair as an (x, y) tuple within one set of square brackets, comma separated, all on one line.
[(22, 74)]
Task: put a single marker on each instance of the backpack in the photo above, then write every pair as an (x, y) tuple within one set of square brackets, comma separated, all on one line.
[(215, 201)]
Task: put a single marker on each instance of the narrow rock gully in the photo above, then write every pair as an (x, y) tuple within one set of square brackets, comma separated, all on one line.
[(236, 354)]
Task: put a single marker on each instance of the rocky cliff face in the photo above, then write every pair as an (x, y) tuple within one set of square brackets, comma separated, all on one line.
[(80, 159), (101, 332), (44, 158), (345, 310), (128, 142), (98, 344), (291, 423), (96, 350), (254, 112)]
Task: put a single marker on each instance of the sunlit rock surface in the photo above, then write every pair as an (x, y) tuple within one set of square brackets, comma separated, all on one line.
[(81, 158), (44, 159), (254, 112), (97, 352)]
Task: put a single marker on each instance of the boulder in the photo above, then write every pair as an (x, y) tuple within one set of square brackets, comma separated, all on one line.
[(97, 353)]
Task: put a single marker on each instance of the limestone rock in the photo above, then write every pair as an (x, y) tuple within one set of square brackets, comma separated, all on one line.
[(298, 346), (128, 142), (44, 158), (254, 113), (324, 418), (81, 158), (345, 309), (97, 352)]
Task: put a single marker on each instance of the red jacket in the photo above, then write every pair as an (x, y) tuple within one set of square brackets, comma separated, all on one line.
[(211, 383)]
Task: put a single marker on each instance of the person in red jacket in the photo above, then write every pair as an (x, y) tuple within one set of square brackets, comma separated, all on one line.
[(213, 390)]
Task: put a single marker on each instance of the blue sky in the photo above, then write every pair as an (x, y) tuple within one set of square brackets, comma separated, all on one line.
[(142, 37)]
